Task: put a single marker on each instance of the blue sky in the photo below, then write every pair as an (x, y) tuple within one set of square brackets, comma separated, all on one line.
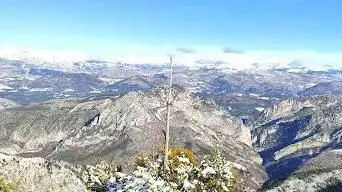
[(106, 25)]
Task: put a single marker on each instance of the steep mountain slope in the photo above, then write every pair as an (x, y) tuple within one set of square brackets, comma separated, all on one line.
[(134, 83), (119, 129), (288, 134), (318, 173), (328, 88)]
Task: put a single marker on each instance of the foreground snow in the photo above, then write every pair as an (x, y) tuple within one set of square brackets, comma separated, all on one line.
[(213, 173)]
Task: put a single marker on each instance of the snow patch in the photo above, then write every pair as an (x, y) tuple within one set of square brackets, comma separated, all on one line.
[(294, 70), (337, 150), (254, 95), (40, 89), (68, 90), (95, 91), (265, 98), (208, 171), (24, 88), (5, 87), (260, 109), (309, 85)]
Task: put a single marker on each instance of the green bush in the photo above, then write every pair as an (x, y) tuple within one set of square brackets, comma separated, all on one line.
[(214, 173), (176, 152), (99, 175), (142, 161)]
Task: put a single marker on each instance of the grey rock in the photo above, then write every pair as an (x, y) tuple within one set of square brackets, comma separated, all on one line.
[(83, 131), (294, 131), (40, 175), (316, 174), (6, 103)]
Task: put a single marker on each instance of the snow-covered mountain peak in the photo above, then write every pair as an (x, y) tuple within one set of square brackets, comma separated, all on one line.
[(295, 63), (59, 59)]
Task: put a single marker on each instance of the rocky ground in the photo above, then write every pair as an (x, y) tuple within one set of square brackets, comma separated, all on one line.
[(38, 174)]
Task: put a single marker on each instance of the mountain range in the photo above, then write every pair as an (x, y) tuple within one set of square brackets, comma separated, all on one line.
[(84, 131), (281, 123)]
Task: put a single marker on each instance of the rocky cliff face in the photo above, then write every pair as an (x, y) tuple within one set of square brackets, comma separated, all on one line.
[(119, 129), (318, 173), (40, 175), (294, 131)]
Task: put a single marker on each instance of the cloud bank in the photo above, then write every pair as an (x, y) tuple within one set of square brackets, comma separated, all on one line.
[(185, 50), (230, 50), (196, 56)]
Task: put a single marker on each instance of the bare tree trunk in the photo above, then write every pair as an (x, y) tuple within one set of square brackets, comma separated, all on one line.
[(167, 135)]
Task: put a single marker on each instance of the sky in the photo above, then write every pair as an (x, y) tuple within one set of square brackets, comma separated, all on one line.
[(106, 27)]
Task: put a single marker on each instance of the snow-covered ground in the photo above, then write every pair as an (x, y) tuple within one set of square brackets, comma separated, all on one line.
[(5, 87), (95, 91), (40, 89), (260, 109), (68, 90)]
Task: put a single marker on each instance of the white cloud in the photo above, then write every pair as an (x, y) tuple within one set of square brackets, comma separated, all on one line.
[(140, 54), (44, 55)]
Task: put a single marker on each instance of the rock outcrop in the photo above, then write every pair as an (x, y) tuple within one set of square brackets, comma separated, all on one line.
[(40, 175), (294, 131), (318, 173), (6, 103), (84, 131)]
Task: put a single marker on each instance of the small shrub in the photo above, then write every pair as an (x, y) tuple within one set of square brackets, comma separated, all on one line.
[(99, 175), (142, 161), (176, 152), (214, 173), (6, 186)]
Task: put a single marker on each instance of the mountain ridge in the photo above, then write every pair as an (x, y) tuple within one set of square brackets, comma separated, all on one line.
[(295, 131), (118, 129)]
